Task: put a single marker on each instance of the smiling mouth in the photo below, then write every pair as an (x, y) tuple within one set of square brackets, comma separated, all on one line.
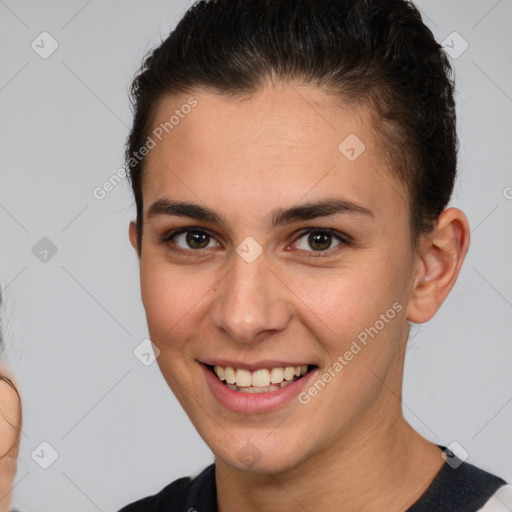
[(262, 380)]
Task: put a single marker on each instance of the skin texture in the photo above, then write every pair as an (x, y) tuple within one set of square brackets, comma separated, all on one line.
[(10, 429), (245, 158)]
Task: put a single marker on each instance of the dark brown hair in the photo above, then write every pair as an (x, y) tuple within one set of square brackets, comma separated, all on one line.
[(366, 52)]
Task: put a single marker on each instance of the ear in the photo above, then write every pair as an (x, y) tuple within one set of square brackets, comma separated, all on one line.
[(134, 237), (440, 259)]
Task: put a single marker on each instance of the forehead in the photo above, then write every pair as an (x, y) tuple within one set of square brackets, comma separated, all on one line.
[(274, 147)]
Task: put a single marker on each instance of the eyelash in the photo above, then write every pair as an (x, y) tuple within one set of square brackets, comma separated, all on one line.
[(344, 240)]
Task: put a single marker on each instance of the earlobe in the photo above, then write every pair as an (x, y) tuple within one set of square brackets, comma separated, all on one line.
[(439, 263), (134, 237)]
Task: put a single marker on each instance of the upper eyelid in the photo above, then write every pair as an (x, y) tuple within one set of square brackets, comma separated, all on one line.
[(344, 241), (179, 231), (336, 234)]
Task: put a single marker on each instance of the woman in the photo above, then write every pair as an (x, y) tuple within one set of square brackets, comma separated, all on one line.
[(292, 163), (10, 430)]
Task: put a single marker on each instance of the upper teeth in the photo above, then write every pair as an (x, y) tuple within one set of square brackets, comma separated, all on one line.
[(258, 378)]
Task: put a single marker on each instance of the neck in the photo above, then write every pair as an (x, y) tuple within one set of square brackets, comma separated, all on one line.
[(382, 463), (367, 475)]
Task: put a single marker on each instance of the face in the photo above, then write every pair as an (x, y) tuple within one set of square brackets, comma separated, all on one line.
[(266, 245)]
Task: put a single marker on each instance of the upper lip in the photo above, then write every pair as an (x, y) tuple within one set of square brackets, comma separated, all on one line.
[(265, 363)]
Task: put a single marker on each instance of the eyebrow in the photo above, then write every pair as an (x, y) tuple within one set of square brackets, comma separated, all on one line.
[(184, 209), (315, 209), (281, 216)]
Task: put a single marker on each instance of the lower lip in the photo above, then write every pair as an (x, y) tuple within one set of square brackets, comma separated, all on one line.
[(251, 403)]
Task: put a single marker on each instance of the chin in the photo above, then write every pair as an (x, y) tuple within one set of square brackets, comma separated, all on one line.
[(259, 454)]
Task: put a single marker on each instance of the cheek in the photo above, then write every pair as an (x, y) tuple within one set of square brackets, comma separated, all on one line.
[(172, 297), (358, 321), (172, 300), (346, 305)]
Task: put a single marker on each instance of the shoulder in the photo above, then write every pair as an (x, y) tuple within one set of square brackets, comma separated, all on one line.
[(500, 501), (460, 487), (185, 494)]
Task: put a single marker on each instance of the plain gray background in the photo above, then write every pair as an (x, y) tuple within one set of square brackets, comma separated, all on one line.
[(73, 320)]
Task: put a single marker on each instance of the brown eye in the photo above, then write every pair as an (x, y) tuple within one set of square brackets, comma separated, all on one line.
[(197, 239), (320, 240), (193, 239)]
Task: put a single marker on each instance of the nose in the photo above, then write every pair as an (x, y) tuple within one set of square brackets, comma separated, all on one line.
[(251, 301)]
